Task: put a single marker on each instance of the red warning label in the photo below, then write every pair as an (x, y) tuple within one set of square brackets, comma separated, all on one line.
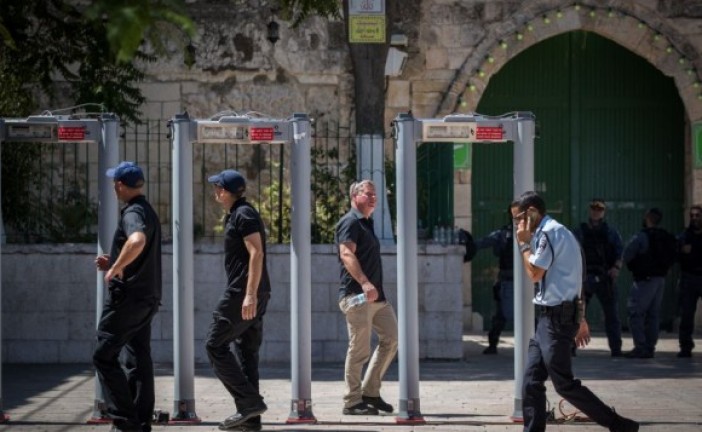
[(71, 133), (261, 134), (489, 133)]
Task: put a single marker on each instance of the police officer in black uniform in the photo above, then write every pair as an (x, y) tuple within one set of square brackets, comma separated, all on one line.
[(690, 257), (133, 276), (238, 318), (603, 248), (501, 241)]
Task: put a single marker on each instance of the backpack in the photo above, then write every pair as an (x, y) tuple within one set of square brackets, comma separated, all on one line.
[(466, 238)]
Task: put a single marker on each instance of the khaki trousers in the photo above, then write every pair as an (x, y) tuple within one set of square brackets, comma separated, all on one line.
[(361, 321)]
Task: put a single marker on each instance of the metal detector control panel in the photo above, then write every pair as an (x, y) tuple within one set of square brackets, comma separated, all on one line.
[(244, 130), (472, 128), (50, 129)]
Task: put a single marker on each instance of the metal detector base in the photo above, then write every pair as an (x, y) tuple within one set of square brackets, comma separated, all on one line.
[(187, 418), (416, 419), (301, 420), (516, 419), (301, 412), (4, 418), (99, 420)]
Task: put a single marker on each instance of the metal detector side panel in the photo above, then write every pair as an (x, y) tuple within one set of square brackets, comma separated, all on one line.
[(238, 130)]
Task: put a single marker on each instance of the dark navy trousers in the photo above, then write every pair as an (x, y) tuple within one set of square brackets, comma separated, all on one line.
[(126, 324), (549, 355), (238, 369), (606, 292), (690, 292)]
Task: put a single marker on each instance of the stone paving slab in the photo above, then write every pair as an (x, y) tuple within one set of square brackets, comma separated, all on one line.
[(476, 394)]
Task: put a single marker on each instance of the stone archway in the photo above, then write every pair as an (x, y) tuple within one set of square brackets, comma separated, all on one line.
[(634, 27)]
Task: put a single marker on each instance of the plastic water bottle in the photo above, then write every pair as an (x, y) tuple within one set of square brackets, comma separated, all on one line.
[(442, 235), (357, 300)]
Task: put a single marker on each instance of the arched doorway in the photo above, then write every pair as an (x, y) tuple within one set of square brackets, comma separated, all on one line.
[(610, 125)]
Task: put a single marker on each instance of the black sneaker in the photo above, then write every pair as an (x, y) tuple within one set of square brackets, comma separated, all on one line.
[(360, 409), (684, 354), (236, 420), (490, 350), (378, 403), (638, 354), (617, 353)]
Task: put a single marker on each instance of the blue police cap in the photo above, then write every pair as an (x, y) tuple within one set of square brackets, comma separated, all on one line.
[(128, 173)]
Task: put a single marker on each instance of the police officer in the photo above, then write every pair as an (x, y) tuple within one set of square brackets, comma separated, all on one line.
[(133, 277), (238, 317), (501, 241), (690, 257), (648, 255), (603, 248), (552, 259)]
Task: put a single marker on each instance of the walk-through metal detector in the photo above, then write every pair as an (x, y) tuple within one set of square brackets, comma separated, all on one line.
[(516, 127), (295, 131), (103, 131)]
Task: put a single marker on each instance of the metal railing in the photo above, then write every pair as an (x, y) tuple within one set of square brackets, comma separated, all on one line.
[(49, 191)]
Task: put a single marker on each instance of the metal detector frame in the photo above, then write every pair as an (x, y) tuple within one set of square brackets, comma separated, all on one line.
[(103, 131), (295, 131), (519, 128)]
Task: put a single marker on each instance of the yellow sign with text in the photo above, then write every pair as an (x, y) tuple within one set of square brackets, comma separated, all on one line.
[(366, 29)]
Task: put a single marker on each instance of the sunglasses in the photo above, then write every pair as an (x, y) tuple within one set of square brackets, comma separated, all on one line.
[(695, 215), (596, 208)]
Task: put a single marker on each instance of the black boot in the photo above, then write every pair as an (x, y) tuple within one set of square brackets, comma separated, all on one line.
[(623, 424)]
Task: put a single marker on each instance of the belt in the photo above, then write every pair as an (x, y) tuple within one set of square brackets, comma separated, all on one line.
[(557, 310)]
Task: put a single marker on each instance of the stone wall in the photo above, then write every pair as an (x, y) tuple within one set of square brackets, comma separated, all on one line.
[(48, 303)]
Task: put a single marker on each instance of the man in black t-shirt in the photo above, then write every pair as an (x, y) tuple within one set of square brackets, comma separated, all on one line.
[(133, 277), (362, 273), (238, 318)]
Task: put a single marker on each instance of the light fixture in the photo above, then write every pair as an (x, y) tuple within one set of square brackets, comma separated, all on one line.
[(189, 54), (273, 33)]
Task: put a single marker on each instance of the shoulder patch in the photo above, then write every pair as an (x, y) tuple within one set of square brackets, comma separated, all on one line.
[(543, 244)]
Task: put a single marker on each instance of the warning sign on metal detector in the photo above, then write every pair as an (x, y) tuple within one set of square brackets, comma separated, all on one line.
[(261, 133), (489, 133), (71, 133)]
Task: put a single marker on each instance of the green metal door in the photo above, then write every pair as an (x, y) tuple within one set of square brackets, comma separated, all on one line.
[(610, 125)]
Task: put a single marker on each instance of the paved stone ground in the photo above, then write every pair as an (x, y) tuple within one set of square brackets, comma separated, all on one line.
[(476, 394)]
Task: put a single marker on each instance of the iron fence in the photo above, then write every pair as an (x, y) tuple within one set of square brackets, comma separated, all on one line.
[(50, 193)]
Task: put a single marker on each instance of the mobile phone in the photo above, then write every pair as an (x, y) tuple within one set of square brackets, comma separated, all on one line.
[(531, 219)]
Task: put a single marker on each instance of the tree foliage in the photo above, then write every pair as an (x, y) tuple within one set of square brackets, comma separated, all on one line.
[(299, 10), (57, 52)]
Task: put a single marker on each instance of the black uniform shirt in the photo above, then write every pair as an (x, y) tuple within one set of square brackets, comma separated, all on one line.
[(354, 227), (243, 220), (142, 276)]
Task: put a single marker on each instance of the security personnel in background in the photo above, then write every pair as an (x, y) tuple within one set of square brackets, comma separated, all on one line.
[(603, 248), (648, 255), (501, 241), (133, 276), (690, 257), (552, 259)]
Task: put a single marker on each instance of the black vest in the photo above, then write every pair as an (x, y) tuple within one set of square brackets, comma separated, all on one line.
[(658, 258), (599, 254)]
